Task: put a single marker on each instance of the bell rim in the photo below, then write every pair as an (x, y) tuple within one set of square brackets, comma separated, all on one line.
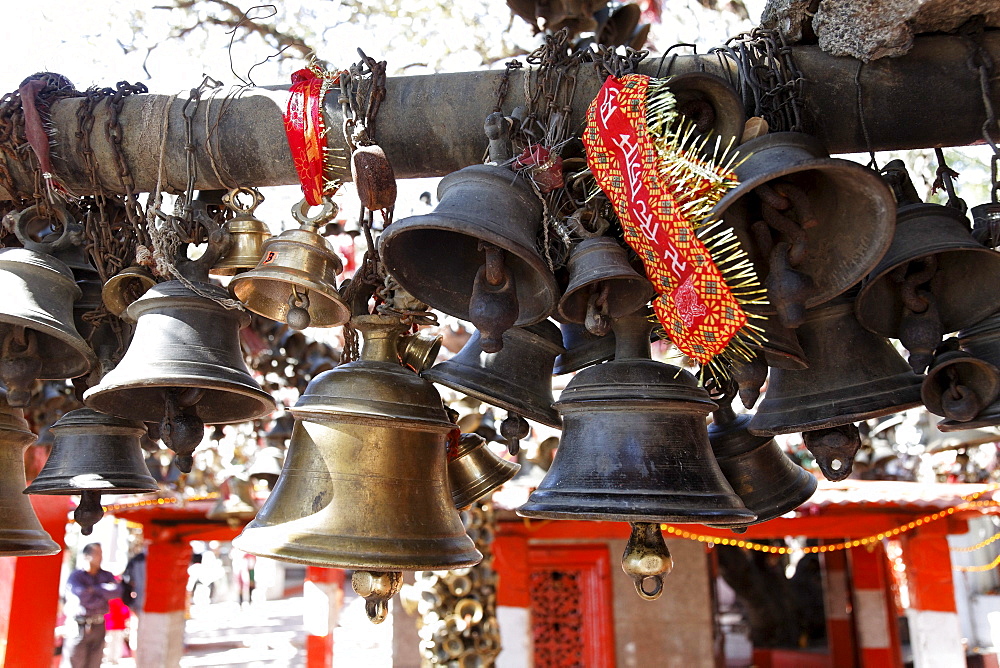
[(77, 359), (525, 409), (22, 544), (572, 306), (41, 487), (932, 400), (719, 89), (340, 312), (595, 351), (988, 417), (566, 506), (100, 398), (501, 473)]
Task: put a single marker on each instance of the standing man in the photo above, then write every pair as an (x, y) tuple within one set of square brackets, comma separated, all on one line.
[(88, 591)]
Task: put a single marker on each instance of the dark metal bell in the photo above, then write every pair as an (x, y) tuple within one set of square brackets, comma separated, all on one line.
[(982, 340), (711, 103), (762, 475), (959, 386), (21, 534), (517, 379), (474, 256), (603, 286), (853, 375), (474, 470), (94, 454), (812, 225), (781, 346), (582, 349), (924, 287)]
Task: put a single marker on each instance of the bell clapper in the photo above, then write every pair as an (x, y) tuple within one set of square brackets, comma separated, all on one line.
[(646, 559), (493, 307), (20, 365), (89, 512), (598, 320), (298, 313), (377, 587), (834, 449), (920, 327), (181, 429), (513, 429)]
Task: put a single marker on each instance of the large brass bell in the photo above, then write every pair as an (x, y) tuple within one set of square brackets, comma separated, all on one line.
[(364, 485), (184, 367), (812, 225), (296, 279), (982, 341), (94, 454), (517, 379), (474, 470), (853, 375), (21, 534), (474, 256), (762, 475), (38, 339), (635, 449), (924, 287), (602, 285), (582, 349), (248, 233)]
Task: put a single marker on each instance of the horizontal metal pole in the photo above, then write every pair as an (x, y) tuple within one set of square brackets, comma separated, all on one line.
[(431, 125)]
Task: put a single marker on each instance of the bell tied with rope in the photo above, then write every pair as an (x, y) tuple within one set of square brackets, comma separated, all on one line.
[(247, 232), (602, 285), (474, 470), (184, 367), (365, 482), (958, 385), (920, 290), (94, 454), (474, 256), (295, 281), (982, 341), (635, 447), (812, 225), (517, 379), (21, 534)]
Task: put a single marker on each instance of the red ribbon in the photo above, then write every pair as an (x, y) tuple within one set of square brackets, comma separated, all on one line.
[(304, 129)]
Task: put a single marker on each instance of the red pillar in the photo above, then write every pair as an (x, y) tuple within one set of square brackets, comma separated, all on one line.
[(510, 561), (323, 595), (29, 593), (839, 623), (874, 607), (161, 626), (935, 633)]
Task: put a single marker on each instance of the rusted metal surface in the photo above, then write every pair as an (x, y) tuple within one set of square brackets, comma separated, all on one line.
[(431, 125)]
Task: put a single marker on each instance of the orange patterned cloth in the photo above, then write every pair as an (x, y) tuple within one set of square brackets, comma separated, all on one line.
[(694, 303)]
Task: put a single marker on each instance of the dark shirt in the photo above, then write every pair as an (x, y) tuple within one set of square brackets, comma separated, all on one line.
[(89, 594)]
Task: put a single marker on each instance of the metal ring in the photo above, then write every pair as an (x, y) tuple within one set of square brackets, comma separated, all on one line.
[(300, 212)]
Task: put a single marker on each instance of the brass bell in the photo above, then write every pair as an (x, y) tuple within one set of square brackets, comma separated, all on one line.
[(582, 349), (982, 341), (184, 368), (812, 225), (296, 279), (364, 485), (853, 375), (38, 339), (602, 285), (474, 256), (474, 470), (21, 534), (235, 506), (94, 454), (762, 475), (125, 287), (266, 465), (419, 351), (924, 286), (517, 379), (959, 386), (248, 233)]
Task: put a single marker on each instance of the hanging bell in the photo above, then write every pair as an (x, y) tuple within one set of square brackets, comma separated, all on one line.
[(94, 454), (364, 485), (38, 339), (125, 287), (582, 349), (959, 385), (419, 351), (237, 505), (295, 281), (21, 534), (812, 225), (474, 470), (924, 286), (762, 475), (982, 341), (248, 233), (474, 256), (711, 104), (266, 465), (184, 367), (602, 285)]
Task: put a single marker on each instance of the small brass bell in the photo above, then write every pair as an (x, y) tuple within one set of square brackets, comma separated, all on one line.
[(982, 341), (812, 225), (21, 534), (959, 386), (296, 279), (474, 470), (248, 233), (602, 285), (474, 256), (125, 287), (94, 454), (184, 367), (582, 349), (38, 339), (364, 485), (419, 351), (923, 287)]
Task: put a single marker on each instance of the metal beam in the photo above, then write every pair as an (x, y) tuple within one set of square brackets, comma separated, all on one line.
[(431, 125)]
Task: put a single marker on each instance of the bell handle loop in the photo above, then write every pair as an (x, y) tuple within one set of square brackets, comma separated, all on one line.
[(231, 200), (328, 211), (498, 133), (640, 583), (646, 559), (219, 242), (295, 300), (70, 228)]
